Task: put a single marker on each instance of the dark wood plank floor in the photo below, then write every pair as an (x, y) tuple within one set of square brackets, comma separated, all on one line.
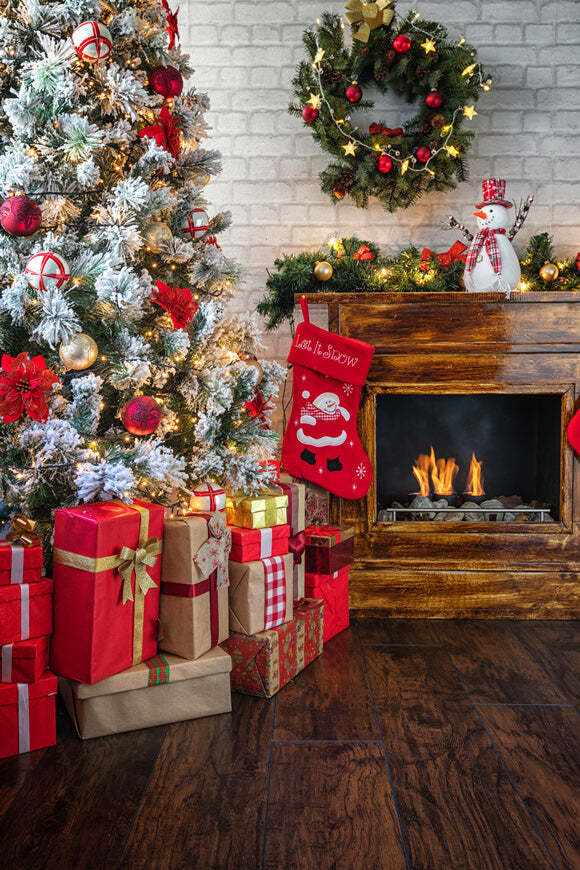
[(424, 744)]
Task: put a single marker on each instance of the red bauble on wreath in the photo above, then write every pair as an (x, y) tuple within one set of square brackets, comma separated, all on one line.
[(402, 43), (310, 114), (20, 216), (166, 81), (384, 164), (353, 93), (423, 154), (141, 415), (434, 100)]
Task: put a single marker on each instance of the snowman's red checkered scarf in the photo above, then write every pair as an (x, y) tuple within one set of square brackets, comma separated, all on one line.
[(321, 414), (485, 237)]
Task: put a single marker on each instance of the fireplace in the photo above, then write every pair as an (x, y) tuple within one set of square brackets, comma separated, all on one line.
[(469, 378)]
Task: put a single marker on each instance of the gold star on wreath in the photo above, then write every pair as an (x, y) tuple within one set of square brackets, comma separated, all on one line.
[(451, 149), (469, 112), (428, 45), (349, 149), (314, 101), (319, 55)]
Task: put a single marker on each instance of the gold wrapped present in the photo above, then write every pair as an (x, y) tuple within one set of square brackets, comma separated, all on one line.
[(257, 511)]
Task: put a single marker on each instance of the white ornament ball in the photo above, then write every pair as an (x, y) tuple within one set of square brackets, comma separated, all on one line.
[(92, 41), (47, 270), (208, 497), (195, 224)]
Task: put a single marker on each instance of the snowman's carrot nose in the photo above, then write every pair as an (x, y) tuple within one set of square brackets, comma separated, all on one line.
[(480, 214)]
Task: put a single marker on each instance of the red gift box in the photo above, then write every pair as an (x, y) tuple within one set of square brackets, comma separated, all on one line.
[(24, 661), (20, 564), (27, 715), (248, 545), (328, 549), (25, 611), (333, 590), (263, 663), (106, 591)]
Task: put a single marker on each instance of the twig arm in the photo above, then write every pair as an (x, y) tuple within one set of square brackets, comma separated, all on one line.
[(520, 217), (449, 223)]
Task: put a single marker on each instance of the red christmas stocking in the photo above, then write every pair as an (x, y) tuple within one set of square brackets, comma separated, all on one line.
[(573, 431), (321, 443)]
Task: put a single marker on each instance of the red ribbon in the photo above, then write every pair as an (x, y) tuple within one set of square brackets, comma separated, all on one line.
[(363, 253), (183, 590), (213, 609), (297, 545), (454, 253), (392, 133)]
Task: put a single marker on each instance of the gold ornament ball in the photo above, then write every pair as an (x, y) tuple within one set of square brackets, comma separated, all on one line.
[(549, 272), (155, 234), (323, 271), (254, 364), (79, 353), (200, 177)]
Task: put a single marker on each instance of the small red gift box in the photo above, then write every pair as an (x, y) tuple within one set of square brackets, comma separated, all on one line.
[(251, 544), (107, 568), (25, 611), (27, 715), (20, 564), (24, 661), (333, 590), (263, 663), (328, 549)]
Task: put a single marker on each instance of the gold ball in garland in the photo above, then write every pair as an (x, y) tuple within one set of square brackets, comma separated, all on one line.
[(251, 360), (323, 271), (78, 353), (155, 234), (549, 271)]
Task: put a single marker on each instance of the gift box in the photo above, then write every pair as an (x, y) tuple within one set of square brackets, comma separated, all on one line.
[(24, 661), (27, 715), (260, 594), (296, 514), (333, 590), (25, 611), (257, 511), (164, 689), (20, 564), (193, 609), (328, 549), (251, 544), (263, 663), (106, 573)]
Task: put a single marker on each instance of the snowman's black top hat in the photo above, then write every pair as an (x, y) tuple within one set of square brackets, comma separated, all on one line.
[(494, 193)]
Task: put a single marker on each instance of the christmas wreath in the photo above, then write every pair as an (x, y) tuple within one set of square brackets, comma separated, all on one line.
[(412, 58)]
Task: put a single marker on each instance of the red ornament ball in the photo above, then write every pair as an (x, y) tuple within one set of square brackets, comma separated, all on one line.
[(20, 216), (141, 415), (434, 100), (423, 154), (353, 93), (384, 164), (166, 81), (310, 114), (402, 43)]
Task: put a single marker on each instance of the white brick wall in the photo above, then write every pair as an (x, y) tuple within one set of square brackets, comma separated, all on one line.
[(245, 54)]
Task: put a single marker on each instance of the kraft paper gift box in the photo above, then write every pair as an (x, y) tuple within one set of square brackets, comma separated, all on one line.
[(333, 590), (25, 611), (24, 661), (251, 544), (27, 715), (20, 564), (257, 511), (164, 689), (263, 663), (193, 610), (106, 572), (296, 514), (260, 594), (329, 549)]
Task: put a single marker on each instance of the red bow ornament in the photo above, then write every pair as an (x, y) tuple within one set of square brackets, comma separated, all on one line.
[(390, 133), (363, 253), (165, 132), (454, 254)]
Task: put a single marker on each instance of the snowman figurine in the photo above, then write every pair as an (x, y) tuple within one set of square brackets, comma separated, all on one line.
[(492, 264), (324, 416)]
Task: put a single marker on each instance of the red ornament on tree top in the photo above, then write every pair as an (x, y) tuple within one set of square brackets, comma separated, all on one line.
[(23, 386), (165, 132), (178, 302), (166, 81), (141, 415), (20, 216)]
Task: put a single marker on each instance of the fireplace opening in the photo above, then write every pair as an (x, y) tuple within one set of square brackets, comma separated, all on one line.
[(474, 457)]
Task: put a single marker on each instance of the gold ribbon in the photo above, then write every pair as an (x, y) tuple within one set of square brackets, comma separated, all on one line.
[(23, 531), (126, 562), (372, 15)]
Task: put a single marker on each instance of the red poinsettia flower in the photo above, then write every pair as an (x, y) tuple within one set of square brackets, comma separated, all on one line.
[(258, 408), (178, 301), (164, 132), (23, 385), (171, 18), (363, 253)]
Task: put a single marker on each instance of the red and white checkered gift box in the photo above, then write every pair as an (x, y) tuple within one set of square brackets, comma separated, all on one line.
[(260, 595)]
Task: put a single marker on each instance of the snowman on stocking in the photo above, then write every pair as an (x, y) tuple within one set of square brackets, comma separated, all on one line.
[(321, 443)]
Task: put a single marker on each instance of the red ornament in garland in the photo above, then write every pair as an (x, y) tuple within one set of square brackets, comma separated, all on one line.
[(401, 43), (384, 164), (434, 100), (164, 132), (23, 386), (423, 154), (20, 216), (166, 81), (353, 93), (141, 415), (178, 302), (310, 114)]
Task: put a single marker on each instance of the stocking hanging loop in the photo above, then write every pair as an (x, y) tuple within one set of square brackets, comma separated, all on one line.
[(304, 307)]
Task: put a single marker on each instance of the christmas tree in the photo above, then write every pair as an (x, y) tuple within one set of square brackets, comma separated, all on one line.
[(122, 374)]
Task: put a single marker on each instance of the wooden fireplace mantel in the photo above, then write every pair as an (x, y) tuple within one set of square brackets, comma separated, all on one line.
[(436, 343)]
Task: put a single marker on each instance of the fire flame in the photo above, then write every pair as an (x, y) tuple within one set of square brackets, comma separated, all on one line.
[(421, 472), (474, 485), (442, 472)]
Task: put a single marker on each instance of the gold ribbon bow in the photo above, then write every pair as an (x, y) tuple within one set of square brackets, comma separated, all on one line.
[(372, 15), (137, 561), (23, 531)]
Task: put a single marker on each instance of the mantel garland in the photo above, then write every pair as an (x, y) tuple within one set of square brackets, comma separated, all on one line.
[(416, 60)]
